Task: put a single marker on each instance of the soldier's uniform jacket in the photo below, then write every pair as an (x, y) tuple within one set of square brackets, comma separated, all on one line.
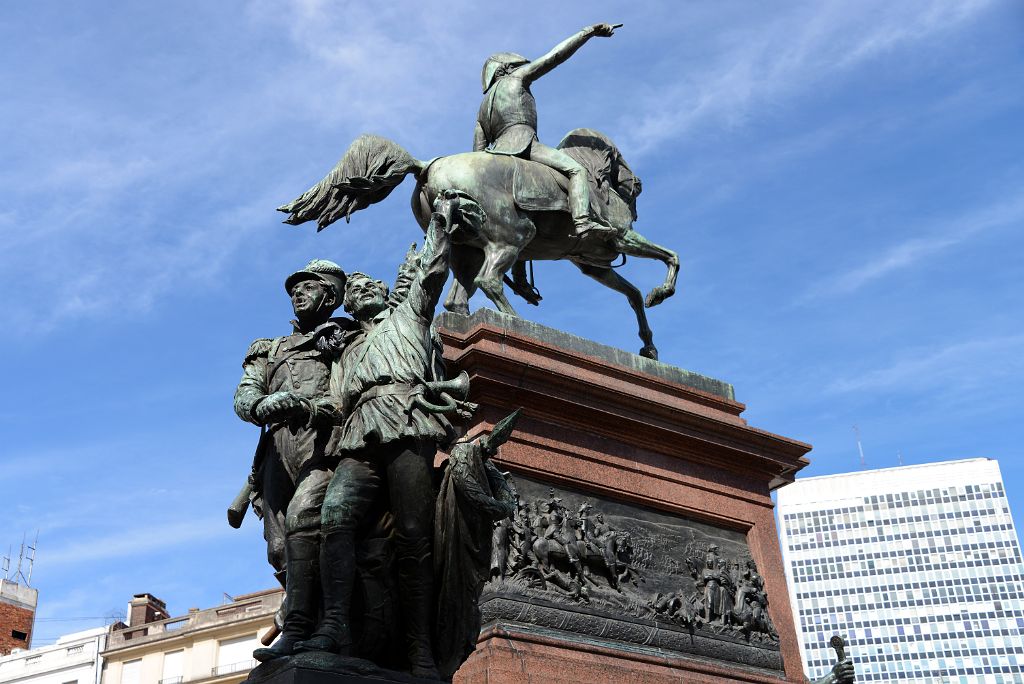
[(508, 116), (291, 363)]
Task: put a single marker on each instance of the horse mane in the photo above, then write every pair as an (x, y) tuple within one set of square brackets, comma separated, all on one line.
[(604, 163)]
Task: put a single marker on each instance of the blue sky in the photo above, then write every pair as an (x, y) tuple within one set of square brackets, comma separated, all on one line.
[(843, 182)]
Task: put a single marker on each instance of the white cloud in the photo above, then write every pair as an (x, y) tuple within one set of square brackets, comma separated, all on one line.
[(953, 366), (913, 251), (133, 541), (785, 54)]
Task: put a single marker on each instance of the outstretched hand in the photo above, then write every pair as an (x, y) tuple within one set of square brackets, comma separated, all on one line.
[(604, 30)]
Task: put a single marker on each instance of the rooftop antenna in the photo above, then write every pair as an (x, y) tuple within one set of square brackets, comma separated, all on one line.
[(32, 560), (21, 556), (860, 449), (19, 576), (7, 563), (228, 598), (899, 457)]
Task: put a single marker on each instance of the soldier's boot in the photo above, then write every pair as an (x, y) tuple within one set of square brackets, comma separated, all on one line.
[(337, 577), (416, 593), (300, 600)]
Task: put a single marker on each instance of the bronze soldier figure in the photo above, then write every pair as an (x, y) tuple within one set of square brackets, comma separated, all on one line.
[(388, 443), (507, 120), (285, 390)]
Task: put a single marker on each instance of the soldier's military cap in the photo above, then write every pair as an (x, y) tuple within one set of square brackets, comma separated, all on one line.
[(323, 270)]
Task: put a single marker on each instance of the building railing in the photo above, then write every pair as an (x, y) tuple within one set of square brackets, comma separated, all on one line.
[(240, 666), (171, 680)]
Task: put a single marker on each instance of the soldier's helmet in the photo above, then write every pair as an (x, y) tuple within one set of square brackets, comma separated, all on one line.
[(496, 62), (326, 272)]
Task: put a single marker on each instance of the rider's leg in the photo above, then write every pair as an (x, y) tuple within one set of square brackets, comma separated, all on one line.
[(579, 189)]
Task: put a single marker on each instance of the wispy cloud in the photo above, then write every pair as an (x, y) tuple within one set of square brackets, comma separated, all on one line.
[(955, 365), (915, 250), (787, 54), (134, 541)]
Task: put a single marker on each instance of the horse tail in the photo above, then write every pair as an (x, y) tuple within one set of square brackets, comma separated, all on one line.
[(370, 169)]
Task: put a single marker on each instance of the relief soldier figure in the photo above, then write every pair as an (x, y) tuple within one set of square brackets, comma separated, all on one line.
[(285, 390), (713, 583)]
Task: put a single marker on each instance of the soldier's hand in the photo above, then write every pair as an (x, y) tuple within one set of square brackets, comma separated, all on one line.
[(604, 30), (445, 208), (844, 672), (278, 407), (326, 410)]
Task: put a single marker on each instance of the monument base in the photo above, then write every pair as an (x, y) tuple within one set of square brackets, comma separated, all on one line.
[(644, 546), (327, 668), (519, 653)]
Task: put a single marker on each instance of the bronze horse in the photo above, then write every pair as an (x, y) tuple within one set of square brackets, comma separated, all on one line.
[(512, 211)]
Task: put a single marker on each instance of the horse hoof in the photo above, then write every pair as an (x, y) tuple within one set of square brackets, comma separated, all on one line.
[(463, 310), (649, 351), (657, 296)]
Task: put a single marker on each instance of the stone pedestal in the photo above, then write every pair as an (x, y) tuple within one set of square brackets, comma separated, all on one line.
[(682, 484)]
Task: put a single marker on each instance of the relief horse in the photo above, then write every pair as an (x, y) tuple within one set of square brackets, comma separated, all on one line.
[(512, 212)]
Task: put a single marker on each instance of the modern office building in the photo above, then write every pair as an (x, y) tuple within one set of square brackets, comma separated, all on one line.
[(918, 566)]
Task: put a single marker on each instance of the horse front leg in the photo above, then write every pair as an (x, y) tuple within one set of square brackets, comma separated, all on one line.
[(636, 245), (465, 263), (498, 259), (613, 280)]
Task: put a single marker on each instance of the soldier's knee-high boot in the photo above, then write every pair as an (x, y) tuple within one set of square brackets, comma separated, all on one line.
[(302, 589), (416, 590), (337, 577)]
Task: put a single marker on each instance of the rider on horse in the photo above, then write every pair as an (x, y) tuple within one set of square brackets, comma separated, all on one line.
[(507, 120)]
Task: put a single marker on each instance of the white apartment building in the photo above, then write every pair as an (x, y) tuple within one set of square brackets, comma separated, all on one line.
[(211, 646), (74, 659), (919, 567)]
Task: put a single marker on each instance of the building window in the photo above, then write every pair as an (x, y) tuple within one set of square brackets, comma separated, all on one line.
[(19, 635), (131, 671), (174, 667), (235, 655)]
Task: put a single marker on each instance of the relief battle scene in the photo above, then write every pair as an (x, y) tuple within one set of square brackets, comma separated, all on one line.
[(578, 562)]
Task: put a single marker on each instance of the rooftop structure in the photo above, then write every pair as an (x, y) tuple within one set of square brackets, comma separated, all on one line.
[(17, 615)]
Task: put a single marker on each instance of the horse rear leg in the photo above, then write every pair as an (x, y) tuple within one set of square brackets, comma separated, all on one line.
[(610, 278), (636, 245), (466, 262)]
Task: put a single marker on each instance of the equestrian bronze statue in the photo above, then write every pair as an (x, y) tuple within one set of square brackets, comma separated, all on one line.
[(520, 200)]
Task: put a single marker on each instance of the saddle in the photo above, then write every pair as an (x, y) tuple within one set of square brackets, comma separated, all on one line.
[(613, 186)]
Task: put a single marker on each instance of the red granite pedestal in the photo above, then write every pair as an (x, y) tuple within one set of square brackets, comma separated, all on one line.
[(623, 429)]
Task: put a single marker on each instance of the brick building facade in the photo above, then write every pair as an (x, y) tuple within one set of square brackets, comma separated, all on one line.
[(17, 615)]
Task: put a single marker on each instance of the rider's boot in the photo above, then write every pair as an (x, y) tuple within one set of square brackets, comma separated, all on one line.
[(585, 225), (300, 599)]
